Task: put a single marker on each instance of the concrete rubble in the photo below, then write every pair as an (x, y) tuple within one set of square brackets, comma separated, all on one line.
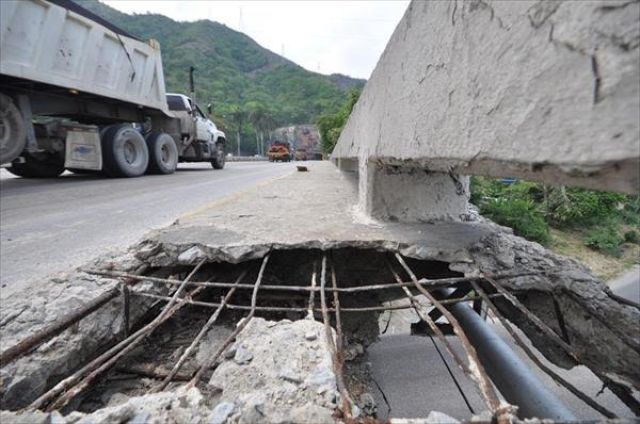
[(269, 382), (280, 371)]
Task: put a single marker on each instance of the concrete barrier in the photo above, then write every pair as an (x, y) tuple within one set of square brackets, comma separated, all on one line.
[(547, 91)]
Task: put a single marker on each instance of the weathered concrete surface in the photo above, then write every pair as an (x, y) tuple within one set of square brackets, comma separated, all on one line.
[(275, 215), (547, 91), (226, 232), (411, 194), (279, 371)]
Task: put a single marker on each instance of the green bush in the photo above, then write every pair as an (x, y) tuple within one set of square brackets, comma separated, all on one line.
[(576, 207), (521, 215), (530, 208), (605, 239), (632, 237)]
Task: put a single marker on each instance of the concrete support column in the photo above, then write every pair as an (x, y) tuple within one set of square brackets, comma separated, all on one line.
[(411, 194)]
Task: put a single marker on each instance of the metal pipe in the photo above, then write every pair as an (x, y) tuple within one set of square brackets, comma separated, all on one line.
[(512, 377)]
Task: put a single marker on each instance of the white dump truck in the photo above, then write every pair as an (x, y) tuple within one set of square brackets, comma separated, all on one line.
[(78, 93)]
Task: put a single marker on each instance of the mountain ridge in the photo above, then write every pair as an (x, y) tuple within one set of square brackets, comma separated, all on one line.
[(232, 69)]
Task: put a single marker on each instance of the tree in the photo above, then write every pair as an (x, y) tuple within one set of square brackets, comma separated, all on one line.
[(331, 124), (262, 120), (237, 117)]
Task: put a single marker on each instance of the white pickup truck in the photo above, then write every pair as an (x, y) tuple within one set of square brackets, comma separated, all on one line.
[(78, 93)]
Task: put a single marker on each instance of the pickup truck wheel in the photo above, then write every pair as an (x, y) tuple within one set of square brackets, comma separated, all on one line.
[(163, 153), (219, 161), (39, 165), (13, 135), (124, 152)]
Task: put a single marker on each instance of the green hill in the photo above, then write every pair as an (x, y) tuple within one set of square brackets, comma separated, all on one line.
[(233, 71)]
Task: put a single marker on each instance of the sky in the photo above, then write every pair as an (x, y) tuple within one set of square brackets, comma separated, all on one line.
[(344, 37)]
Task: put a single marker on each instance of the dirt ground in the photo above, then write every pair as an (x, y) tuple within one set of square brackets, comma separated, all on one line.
[(605, 267)]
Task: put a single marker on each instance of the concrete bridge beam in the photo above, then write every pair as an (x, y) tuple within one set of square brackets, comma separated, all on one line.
[(539, 90)]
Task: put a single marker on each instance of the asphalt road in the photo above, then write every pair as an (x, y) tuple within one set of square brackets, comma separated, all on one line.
[(628, 284), (55, 225)]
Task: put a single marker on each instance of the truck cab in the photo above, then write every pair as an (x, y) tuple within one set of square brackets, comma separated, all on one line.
[(201, 140), (192, 118)]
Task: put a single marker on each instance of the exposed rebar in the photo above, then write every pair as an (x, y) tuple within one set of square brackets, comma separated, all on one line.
[(199, 336), (328, 335), (347, 402), (416, 304), (97, 365), (312, 293), (622, 392), (301, 309), (556, 377), (241, 326), (430, 283), (28, 344), (480, 376)]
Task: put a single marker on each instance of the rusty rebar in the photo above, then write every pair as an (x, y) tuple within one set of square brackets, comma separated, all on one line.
[(415, 304), (302, 309), (199, 336), (126, 296), (556, 377), (26, 345), (482, 379), (151, 371), (312, 293), (338, 362), (241, 326), (430, 283), (621, 391), (95, 365), (328, 334)]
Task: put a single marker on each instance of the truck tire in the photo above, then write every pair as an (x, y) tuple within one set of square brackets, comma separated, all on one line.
[(163, 153), (219, 161), (124, 152), (39, 165), (13, 134)]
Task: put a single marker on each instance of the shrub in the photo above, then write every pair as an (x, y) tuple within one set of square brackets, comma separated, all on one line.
[(605, 239), (576, 207), (632, 237), (521, 215)]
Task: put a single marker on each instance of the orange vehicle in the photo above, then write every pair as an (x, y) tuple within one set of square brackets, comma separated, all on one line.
[(279, 152)]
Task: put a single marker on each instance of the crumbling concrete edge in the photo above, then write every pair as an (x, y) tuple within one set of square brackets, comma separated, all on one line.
[(590, 314)]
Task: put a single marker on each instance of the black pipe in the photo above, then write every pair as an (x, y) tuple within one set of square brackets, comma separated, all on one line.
[(509, 373)]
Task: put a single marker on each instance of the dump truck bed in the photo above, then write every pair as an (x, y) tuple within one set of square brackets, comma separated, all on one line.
[(55, 43)]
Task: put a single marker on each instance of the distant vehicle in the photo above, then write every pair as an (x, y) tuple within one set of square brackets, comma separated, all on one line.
[(301, 154), (78, 93), (279, 151)]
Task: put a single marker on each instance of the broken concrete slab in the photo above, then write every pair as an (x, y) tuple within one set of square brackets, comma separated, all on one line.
[(326, 218), (331, 219), (607, 341), (23, 314)]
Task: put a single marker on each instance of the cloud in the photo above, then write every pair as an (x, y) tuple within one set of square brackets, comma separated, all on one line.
[(344, 37)]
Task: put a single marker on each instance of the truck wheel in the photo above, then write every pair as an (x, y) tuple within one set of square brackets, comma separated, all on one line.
[(124, 152), (13, 135), (39, 165), (163, 153), (218, 162)]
